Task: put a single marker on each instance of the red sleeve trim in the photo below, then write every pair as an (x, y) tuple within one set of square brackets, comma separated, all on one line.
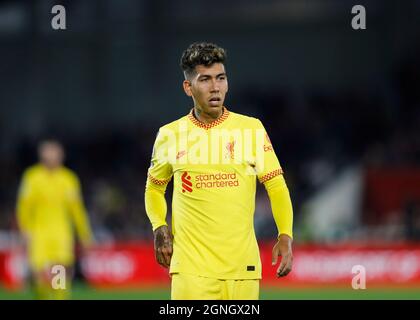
[(271, 175), (157, 181)]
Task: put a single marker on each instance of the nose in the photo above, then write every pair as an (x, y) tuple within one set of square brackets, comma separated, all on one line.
[(214, 86)]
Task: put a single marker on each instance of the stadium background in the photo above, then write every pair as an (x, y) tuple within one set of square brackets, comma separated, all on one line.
[(342, 108)]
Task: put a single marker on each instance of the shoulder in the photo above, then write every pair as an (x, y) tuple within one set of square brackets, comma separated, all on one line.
[(69, 175), (32, 171), (246, 120), (172, 128), (174, 125)]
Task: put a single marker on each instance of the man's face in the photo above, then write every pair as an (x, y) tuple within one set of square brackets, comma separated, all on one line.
[(208, 87), (51, 154)]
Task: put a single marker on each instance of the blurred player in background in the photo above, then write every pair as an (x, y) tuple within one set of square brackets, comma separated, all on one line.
[(49, 206), (212, 251)]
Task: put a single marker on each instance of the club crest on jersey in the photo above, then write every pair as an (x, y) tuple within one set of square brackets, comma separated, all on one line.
[(230, 147), (186, 183)]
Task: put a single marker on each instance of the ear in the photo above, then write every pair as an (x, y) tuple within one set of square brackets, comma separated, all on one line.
[(187, 87)]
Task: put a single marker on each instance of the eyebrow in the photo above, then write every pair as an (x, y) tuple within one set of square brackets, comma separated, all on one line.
[(209, 76)]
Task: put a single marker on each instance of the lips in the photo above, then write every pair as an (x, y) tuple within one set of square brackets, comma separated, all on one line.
[(215, 99)]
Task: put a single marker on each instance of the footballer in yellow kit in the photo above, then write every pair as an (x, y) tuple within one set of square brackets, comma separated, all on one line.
[(49, 208), (215, 157)]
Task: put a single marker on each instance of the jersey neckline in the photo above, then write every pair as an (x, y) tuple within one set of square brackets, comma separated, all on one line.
[(207, 126)]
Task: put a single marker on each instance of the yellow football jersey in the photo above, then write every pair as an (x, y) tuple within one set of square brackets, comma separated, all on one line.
[(49, 207), (214, 169)]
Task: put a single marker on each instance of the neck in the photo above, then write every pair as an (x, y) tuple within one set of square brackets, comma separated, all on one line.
[(50, 168), (207, 118)]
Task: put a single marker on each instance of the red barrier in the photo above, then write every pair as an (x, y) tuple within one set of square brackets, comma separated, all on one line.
[(384, 265), (13, 269), (134, 265), (126, 265), (123, 265)]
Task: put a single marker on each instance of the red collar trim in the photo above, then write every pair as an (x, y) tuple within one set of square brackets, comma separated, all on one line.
[(207, 126)]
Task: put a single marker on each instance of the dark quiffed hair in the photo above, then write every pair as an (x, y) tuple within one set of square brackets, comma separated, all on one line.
[(201, 53)]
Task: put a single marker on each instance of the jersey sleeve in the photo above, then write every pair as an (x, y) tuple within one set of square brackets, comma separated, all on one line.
[(270, 173), (267, 163), (78, 211), (281, 205), (25, 200), (160, 170), (158, 176)]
